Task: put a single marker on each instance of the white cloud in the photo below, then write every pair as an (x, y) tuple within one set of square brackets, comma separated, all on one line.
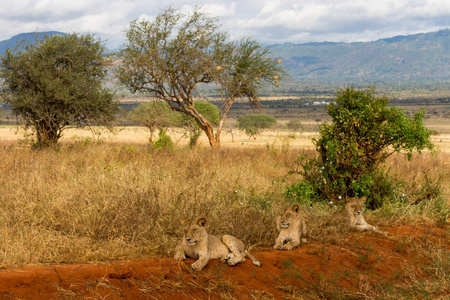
[(266, 20)]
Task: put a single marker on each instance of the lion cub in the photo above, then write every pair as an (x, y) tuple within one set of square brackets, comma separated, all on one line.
[(292, 228), (353, 208), (197, 243)]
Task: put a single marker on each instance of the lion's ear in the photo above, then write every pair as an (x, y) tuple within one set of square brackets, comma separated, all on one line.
[(202, 222), (295, 208), (184, 222), (363, 199), (348, 199)]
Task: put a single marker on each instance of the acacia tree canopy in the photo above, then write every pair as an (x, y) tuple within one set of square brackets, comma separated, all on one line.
[(55, 82), (154, 115), (254, 124), (171, 56)]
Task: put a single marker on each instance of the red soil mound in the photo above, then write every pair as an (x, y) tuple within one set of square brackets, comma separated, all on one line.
[(354, 267)]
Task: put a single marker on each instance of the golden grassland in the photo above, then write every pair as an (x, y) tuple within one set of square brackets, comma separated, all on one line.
[(112, 199), (140, 135), (102, 197)]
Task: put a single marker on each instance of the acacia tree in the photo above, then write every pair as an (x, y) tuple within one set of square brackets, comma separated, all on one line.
[(170, 57), (254, 124), (364, 132), (154, 115), (56, 82)]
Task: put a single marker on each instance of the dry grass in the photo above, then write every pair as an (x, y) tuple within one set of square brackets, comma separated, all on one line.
[(140, 135), (97, 201)]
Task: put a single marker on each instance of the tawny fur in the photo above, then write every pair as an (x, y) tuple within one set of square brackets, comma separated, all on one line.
[(292, 229), (197, 243), (353, 209)]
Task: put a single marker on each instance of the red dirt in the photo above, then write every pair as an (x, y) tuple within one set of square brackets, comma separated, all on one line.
[(363, 261)]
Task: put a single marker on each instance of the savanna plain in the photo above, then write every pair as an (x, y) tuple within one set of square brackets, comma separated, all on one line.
[(99, 218)]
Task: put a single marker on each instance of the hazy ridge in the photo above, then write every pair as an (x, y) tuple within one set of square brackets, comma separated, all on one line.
[(413, 58), (29, 36), (418, 58)]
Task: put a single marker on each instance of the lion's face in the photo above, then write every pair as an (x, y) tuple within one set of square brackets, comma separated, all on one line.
[(355, 206), (289, 215), (195, 231)]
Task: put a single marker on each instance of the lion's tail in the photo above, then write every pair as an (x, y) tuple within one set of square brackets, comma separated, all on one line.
[(248, 254)]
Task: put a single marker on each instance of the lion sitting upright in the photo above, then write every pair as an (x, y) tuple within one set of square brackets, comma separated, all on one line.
[(197, 243), (353, 209), (292, 228)]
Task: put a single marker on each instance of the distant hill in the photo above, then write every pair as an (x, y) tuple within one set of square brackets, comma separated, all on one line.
[(418, 58), (413, 58), (30, 36)]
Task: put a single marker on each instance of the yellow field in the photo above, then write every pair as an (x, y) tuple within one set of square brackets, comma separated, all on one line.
[(119, 200), (140, 135)]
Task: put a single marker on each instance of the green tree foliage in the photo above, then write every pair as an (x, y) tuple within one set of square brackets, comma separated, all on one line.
[(254, 124), (56, 82), (154, 115), (363, 133), (171, 56)]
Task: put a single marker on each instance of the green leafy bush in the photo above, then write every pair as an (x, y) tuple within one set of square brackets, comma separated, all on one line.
[(363, 133), (164, 141)]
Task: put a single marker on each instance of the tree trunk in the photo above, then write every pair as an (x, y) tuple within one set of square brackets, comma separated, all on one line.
[(206, 126), (150, 139), (223, 116), (213, 142), (46, 134)]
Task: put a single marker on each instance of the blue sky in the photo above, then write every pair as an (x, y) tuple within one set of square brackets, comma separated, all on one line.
[(268, 21)]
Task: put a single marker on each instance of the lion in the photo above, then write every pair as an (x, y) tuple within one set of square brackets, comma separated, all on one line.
[(197, 243), (292, 228), (353, 208)]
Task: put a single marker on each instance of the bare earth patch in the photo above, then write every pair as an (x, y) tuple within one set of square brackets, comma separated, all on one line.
[(359, 267)]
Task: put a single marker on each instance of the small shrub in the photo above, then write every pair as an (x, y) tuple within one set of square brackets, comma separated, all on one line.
[(164, 141), (363, 134)]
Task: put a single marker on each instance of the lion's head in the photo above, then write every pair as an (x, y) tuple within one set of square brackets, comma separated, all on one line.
[(354, 206), (289, 215), (194, 230)]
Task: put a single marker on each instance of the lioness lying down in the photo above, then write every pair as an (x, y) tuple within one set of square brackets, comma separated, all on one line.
[(353, 208), (197, 243), (292, 228)]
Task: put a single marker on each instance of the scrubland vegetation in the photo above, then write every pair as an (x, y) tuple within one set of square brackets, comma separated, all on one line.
[(95, 201), (90, 201)]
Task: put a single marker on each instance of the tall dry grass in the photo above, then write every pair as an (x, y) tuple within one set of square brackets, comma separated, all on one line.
[(94, 202), (90, 201)]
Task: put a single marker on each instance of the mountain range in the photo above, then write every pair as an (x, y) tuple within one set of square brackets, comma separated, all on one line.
[(29, 37), (417, 58)]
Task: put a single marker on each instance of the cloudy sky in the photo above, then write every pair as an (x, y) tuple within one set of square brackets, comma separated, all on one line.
[(268, 21)]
